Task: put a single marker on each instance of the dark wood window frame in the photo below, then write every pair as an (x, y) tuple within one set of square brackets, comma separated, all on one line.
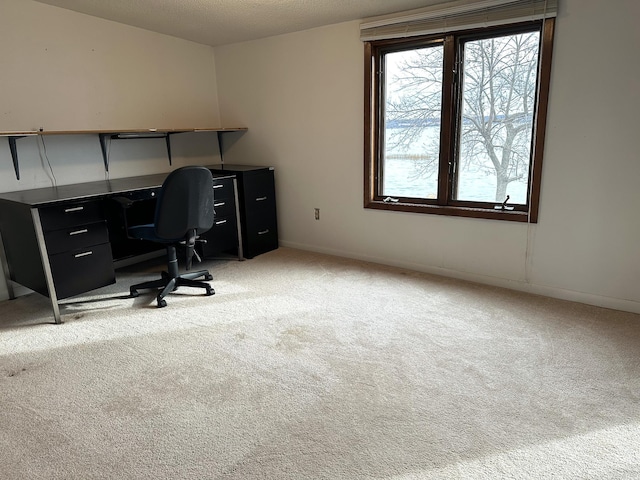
[(443, 205)]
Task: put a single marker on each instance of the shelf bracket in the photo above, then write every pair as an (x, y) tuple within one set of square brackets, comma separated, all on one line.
[(14, 154), (220, 145), (103, 147), (130, 136), (221, 135), (14, 151), (168, 135)]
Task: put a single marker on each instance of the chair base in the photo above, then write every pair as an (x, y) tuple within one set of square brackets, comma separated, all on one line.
[(170, 283)]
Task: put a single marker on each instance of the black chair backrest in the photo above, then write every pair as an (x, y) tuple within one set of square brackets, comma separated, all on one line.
[(185, 203)]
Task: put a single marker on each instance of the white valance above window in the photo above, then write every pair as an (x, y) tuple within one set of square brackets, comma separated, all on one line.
[(456, 15)]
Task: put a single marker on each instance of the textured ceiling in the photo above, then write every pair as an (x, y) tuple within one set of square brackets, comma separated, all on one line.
[(218, 22)]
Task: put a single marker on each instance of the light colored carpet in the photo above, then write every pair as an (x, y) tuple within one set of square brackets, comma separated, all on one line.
[(306, 366)]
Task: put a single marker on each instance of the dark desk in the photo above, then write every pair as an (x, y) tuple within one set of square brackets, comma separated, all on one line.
[(63, 241)]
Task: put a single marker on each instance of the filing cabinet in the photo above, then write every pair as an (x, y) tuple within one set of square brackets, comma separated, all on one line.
[(257, 205), (223, 235)]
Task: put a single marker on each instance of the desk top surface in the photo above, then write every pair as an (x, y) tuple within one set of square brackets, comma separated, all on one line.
[(38, 197)]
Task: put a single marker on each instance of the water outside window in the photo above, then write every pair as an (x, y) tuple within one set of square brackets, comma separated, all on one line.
[(413, 87), (493, 150)]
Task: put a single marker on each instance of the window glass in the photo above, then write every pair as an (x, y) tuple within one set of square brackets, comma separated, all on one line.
[(413, 90), (496, 122)]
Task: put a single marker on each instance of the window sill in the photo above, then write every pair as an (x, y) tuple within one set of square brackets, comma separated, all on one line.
[(491, 214)]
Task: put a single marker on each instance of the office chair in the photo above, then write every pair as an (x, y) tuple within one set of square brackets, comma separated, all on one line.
[(184, 210)]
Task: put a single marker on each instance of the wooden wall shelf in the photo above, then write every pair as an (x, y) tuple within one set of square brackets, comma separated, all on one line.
[(104, 135)]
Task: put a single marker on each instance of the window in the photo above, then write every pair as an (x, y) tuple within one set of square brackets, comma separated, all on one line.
[(454, 123)]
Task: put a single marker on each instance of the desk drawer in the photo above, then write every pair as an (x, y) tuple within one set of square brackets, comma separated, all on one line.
[(223, 188), (224, 208), (261, 240), (260, 232), (69, 215), (261, 216), (82, 270), (223, 236), (77, 237), (259, 191)]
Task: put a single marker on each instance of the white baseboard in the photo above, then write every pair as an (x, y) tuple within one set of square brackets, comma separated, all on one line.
[(537, 289)]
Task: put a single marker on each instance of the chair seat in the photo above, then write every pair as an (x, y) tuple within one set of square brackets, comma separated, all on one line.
[(148, 232)]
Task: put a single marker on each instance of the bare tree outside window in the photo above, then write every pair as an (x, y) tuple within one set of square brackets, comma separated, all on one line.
[(498, 95), (494, 128), (412, 124), (455, 122)]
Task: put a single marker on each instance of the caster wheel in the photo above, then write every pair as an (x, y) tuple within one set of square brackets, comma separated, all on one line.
[(133, 293), (210, 291), (208, 277), (162, 303)]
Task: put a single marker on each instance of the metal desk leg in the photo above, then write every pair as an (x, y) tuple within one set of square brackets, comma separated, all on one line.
[(46, 266), (238, 223), (6, 271)]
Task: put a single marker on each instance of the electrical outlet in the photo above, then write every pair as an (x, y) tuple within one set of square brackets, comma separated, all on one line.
[(317, 213)]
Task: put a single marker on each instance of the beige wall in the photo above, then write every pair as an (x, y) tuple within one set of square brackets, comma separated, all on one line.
[(62, 70), (301, 96)]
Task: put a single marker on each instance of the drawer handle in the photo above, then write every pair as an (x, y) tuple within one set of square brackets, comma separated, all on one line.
[(221, 204), (218, 186), (263, 232), (73, 209), (260, 199), (83, 254), (78, 232), (220, 222)]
